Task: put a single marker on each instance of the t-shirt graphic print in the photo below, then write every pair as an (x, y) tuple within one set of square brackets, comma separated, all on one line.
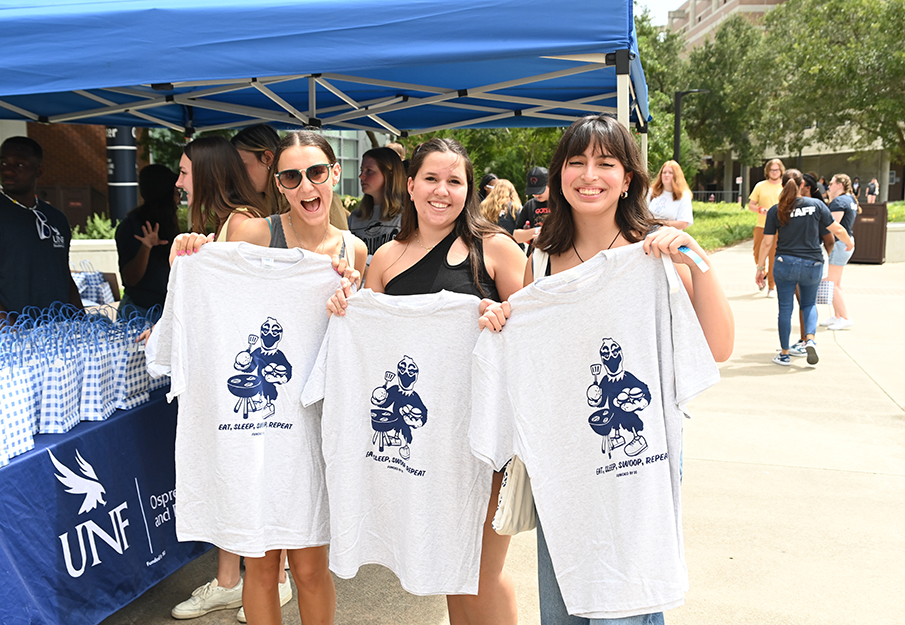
[(263, 370), (398, 410), (620, 397)]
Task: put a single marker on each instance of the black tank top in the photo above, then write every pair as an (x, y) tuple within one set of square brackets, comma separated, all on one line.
[(433, 274)]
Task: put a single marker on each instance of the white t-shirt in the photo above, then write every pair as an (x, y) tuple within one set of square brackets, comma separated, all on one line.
[(405, 490), (602, 449), (240, 332), (665, 207)]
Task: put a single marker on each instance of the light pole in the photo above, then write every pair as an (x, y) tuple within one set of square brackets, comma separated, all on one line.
[(678, 126)]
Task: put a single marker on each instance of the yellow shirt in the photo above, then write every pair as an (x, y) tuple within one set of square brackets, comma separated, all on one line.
[(765, 194)]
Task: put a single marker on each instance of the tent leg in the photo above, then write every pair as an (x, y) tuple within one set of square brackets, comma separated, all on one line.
[(622, 86)]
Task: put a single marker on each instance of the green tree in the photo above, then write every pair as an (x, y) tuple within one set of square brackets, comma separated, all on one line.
[(664, 70), (164, 146), (835, 74), (507, 152), (726, 65)]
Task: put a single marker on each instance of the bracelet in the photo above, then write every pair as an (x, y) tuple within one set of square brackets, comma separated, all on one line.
[(760, 269)]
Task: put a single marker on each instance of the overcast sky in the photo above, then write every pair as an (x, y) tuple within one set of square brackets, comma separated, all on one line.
[(659, 9)]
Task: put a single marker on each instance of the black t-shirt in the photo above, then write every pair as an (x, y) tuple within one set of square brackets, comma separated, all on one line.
[(506, 221), (152, 288), (34, 271), (801, 236), (849, 208), (533, 213)]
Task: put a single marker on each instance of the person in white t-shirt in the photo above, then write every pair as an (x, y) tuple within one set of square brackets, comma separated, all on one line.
[(307, 170), (445, 244), (669, 197), (598, 185)]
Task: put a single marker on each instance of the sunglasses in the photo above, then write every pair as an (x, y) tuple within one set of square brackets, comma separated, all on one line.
[(45, 230), (292, 178)]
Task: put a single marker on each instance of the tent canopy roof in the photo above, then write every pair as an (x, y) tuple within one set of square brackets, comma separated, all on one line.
[(399, 66)]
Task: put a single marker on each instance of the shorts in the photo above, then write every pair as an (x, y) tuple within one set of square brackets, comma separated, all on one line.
[(839, 256)]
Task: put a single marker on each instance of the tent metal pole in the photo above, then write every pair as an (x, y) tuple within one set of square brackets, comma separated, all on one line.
[(623, 77)]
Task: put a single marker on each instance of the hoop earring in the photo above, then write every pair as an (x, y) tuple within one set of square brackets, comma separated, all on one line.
[(624, 194)]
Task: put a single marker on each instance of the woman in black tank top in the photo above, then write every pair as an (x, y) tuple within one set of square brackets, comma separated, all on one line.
[(445, 243)]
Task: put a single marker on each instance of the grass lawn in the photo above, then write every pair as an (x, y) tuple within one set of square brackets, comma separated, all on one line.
[(721, 224), (718, 225)]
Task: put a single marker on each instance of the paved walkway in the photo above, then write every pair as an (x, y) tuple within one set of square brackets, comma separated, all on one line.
[(794, 486)]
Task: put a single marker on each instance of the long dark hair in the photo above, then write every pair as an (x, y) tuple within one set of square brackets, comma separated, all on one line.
[(470, 225), (393, 171), (791, 184), (157, 185), (259, 139), (607, 136), (220, 183)]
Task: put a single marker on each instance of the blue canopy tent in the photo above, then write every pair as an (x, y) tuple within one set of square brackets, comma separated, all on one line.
[(397, 66)]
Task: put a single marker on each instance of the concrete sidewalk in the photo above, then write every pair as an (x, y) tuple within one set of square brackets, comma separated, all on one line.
[(794, 483)]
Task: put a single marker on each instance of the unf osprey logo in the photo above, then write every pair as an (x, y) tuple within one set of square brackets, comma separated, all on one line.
[(89, 486)]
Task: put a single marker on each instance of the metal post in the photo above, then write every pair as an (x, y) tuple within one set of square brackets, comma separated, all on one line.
[(623, 76)]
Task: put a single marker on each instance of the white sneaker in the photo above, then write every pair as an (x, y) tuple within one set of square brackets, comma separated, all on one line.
[(209, 598), (771, 293), (841, 324), (828, 322), (285, 597)]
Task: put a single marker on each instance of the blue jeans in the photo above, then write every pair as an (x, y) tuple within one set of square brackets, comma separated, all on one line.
[(789, 272), (553, 608)]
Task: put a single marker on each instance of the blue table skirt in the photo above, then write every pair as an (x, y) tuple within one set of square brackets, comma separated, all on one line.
[(83, 537)]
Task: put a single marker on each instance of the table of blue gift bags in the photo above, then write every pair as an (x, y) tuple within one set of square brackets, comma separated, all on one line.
[(61, 365)]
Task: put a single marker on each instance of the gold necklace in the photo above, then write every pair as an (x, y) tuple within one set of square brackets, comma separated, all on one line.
[(299, 241), (418, 241)]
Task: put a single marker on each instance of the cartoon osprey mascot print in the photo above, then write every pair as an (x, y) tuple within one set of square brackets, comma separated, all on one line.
[(267, 366), (620, 397), (399, 408)]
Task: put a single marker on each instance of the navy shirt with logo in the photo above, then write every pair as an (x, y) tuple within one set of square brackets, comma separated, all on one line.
[(801, 236), (34, 255), (849, 208)]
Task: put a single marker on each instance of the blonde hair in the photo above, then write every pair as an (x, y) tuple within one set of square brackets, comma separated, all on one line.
[(771, 162), (503, 198), (846, 183), (679, 185)]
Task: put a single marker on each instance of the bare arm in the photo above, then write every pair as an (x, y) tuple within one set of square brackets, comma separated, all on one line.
[(524, 235), (505, 262), (842, 235), (678, 225)]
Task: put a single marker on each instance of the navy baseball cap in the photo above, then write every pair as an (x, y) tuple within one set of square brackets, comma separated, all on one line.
[(537, 181)]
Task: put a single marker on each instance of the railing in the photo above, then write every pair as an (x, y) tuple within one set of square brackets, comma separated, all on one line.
[(715, 196)]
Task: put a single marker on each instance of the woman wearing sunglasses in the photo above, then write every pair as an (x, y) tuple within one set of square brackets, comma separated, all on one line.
[(307, 170)]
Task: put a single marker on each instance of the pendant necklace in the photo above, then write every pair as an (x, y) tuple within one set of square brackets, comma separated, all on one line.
[(607, 247), (299, 241)]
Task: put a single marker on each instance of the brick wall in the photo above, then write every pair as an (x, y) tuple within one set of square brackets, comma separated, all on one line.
[(75, 168), (74, 154)]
